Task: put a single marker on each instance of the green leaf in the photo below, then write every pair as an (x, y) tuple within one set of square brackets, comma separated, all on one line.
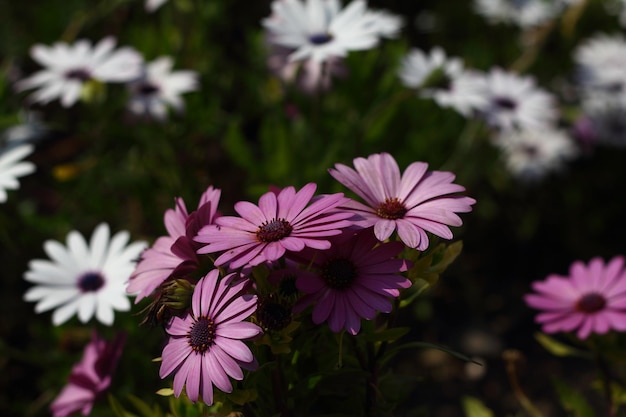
[(388, 335), (557, 348), (143, 408), (572, 401), (426, 345), (473, 407), (118, 409)]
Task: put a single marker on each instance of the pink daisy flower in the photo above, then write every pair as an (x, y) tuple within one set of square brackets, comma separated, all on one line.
[(414, 203), (283, 221), (90, 378), (354, 279), (592, 299), (205, 346), (174, 255)]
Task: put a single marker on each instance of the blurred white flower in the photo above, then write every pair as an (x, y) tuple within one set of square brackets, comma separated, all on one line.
[(307, 75), (152, 5), (531, 154), (12, 167), (523, 13), (84, 279), (30, 129), (160, 87), (606, 120), (514, 101), (443, 79), (320, 29), (69, 67), (601, 61), (418, 68)]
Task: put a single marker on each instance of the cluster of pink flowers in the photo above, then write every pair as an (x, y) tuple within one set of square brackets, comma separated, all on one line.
[(202, 276)]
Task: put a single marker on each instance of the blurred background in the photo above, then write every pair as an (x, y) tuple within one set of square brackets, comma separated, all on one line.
[(244, 130)]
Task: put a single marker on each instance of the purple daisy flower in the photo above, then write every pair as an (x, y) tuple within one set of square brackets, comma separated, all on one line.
[(414, 203), (283, 221), (174, 255), (205, 346), (90, 378), (354, 279), (591, 299)]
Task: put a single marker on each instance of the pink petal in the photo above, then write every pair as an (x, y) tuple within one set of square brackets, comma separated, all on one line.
[(384, 228), (240, 330)]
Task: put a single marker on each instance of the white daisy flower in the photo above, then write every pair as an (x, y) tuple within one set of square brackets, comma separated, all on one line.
[(12, 167), (443, 79), (84, 279), (160, 87), (531, 154), (69, 67), (514, 101), (152, 5), (601, 61), (418, 68), (523, 13), (320, 29)]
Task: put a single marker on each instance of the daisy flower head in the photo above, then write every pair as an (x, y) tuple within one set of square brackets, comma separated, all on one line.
[(514, 101), (413, 203), (443, 79), (531, 155), (206, 346), (174, 255), (84, 278), (600, 61), (160, 87), (320, 29), (13, 167), (89, 378), (592, 299), (69, 67), (286, 221), (352, 280)]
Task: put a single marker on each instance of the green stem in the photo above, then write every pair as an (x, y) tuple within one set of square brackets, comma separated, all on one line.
[(605, 374), (511, 358)]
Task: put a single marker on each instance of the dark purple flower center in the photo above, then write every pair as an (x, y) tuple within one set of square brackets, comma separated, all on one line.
[(79, 74), (273, 315), (391, 209), (146, 89), (202, 334), (320, 38), (90, 282), (339, 273), (273, 230), (530, 150), (590, 303), (505, 103)]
